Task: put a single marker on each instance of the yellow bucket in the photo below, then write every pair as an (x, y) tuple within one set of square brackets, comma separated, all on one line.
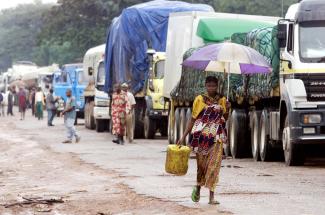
[(177, 159)]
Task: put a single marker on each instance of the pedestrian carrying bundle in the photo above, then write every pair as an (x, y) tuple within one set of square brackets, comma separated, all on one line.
[(177, 159)]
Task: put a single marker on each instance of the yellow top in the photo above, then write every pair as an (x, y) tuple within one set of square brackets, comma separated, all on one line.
[(199, 104)]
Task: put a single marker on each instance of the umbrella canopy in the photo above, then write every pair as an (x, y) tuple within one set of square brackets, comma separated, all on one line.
[(228, 57)]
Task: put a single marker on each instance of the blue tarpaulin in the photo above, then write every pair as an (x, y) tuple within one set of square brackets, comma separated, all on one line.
[(129, 36)]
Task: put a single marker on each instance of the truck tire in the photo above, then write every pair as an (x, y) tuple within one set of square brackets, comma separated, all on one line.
[(182, 122), (255, 134), (100, 125), (176, 126), (91, 118), (265, 147), (237, 136), (170, 130), (149, 126), (139, 124), (188, 119), (293, 153), (164, 128)]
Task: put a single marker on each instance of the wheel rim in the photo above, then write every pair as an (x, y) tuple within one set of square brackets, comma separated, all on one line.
[(146, 126), (175, 132), (286, 143), (232, 137), (262, 142), (170, 131), (255, 140)]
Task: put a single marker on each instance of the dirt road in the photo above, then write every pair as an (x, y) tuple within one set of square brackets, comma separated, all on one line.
[(99, 177)]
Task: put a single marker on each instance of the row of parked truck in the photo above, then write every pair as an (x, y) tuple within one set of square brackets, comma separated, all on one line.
[(275, 114)]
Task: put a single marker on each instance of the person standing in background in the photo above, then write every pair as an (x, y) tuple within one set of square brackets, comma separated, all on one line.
[(39, 100), (2, 103), (119, 102), (129, 112), (10, 103), (50, 106), (22, 102)]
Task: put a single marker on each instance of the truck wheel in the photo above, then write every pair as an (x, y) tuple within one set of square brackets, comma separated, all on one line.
[(164, 128), (149, 127), (139, 124), (170, 130), (265, 147), (86, 115), (182, 122), (100, 126), (293, 153), (237, 133), (255, 134), (91, 115), (176, 126), (188, 118)]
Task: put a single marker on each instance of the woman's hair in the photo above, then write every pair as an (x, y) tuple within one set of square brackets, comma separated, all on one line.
[(210, 79)]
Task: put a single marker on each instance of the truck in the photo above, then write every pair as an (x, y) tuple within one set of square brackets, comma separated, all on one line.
[(189, 30), (70, 77), (97, 101), (133, 55), (279, 115)]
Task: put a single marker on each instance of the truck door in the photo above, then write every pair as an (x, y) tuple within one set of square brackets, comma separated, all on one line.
[(78, 89)]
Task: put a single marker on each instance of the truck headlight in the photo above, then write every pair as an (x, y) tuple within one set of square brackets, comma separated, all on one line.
[(312, 118), (162, 100)]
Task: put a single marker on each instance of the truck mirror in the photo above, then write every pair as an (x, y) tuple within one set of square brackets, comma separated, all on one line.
[(282, 35), (90, 71), (151, 87)]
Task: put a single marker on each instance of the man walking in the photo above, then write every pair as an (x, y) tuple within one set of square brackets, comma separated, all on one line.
[(50, 106), (2, 104), (69, 118), (129, 113)]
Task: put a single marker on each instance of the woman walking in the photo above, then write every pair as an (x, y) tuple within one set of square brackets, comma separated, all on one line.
[(22, 102), (119, 102), (39, 100), (208, 135)]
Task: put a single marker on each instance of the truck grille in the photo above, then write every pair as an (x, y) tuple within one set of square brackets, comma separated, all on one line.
[(314, 84)]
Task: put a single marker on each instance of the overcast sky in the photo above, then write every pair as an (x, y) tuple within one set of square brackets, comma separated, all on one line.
[(12, 3)]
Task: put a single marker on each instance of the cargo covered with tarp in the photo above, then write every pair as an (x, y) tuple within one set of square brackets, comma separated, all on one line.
[(265, 41), (130, 35), (243, 88)]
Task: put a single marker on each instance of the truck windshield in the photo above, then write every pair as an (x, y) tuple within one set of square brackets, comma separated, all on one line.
[(101, 74), (312, 42), (160, 69)]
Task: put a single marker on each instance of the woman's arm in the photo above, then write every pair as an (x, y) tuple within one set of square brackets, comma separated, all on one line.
[(187, 131)]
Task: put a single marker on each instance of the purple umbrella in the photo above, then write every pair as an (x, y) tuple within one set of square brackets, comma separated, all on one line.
[(229, 58)]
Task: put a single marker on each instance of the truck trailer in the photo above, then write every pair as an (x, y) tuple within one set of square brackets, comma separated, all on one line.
[(192, 30), (133, 55)]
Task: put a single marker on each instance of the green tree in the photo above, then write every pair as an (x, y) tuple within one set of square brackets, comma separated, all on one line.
[(19, 28)]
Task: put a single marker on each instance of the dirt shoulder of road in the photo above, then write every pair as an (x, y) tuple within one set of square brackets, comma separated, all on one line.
[(30, 169)]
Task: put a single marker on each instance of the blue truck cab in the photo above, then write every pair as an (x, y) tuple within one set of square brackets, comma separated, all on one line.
[(70, 77)]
